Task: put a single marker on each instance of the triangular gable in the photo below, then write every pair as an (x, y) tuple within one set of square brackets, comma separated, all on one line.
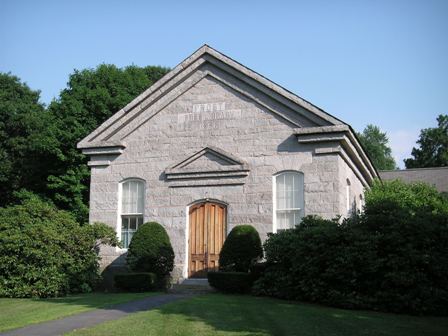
[(205, 166), (108, 134)]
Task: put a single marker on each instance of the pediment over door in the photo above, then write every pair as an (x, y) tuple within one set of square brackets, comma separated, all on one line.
[(209, 166)]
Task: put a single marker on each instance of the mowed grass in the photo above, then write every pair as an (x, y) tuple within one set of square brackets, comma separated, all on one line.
[(216, 314), (15, 313)]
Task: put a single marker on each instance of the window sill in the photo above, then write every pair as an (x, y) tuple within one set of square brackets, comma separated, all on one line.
[(121, 250)]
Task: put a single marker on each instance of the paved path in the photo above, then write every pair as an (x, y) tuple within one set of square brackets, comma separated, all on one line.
[(91, 318)]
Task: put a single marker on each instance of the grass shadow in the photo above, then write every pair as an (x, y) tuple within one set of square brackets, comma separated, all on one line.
[(248, 315)]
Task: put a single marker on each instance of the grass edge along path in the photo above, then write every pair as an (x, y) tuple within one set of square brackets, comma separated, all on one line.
[(17, 313), (225, 315)]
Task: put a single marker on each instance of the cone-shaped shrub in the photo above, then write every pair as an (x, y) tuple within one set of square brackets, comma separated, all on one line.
[(150, 250), (241, 248)]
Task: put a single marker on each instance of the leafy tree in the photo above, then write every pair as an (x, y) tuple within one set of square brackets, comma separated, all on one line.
[(91, 96), (38, 146), (433, 151), (375, 143), (25, 147), (44, 252)]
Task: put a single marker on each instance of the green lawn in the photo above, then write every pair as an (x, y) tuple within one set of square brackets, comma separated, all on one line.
[(15, 313), (217, 314)]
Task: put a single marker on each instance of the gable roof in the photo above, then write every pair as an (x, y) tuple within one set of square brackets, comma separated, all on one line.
[(106, 134), (437, 176), (109, 138)]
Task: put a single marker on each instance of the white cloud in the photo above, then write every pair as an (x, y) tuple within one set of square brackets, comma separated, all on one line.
[(401, 142)]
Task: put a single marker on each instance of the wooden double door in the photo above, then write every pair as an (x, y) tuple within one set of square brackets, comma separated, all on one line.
[(207, 223)]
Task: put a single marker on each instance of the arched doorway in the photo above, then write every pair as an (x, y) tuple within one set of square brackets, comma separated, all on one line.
[(207, 221)]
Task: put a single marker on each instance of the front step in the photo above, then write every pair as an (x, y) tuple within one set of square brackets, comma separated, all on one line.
[(190, 286)]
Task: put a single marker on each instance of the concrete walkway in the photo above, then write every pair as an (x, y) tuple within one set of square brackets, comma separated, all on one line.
[(97, 316)]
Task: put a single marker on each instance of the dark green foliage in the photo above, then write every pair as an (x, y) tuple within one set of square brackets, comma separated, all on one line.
[(136, 282), (257, 270), (150, 250), (91, 96), (377, 147), (38, 146), (241, 248), (433, 150), (25, 148), (394, 257), (230, 282), (44, 252)]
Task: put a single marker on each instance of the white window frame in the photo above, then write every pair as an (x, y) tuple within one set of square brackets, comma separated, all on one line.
[(119, 208), (274, 196), (347, 195)]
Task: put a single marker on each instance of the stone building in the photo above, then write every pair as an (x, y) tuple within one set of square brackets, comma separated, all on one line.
[(213, 145)]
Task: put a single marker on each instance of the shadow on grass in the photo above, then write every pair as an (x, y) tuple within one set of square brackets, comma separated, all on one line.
[(248, 315)]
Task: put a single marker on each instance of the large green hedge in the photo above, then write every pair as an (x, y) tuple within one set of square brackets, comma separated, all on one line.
[(136, 282), (44, 252), (150, 250), (230, 282), (241, 248), (393, 257)]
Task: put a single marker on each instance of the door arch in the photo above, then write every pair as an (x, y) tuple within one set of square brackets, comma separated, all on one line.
[(207, 232)]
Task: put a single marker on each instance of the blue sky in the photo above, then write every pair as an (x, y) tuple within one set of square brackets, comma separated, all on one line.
[(378, 62)]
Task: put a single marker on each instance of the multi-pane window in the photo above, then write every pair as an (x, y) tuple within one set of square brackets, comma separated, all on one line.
[(289, 200), (132, 196)]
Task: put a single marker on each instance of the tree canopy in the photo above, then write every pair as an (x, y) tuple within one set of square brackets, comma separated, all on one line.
[(25, 146), (91, 96), (433, 150), (38, 145), (376, 144)]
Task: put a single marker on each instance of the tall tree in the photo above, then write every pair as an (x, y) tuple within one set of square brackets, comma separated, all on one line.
[(376, 144), (433, 151), (91, 96), (25, 146)]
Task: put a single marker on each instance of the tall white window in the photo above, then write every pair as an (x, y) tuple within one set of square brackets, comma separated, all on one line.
[(132, 205), (288, 200)]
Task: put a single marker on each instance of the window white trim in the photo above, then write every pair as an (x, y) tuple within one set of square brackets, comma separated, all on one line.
[(347, 196), (118, 226), (301, 193), (361, 203)]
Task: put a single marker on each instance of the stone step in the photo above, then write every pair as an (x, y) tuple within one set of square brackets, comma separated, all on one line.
[(196, 282)]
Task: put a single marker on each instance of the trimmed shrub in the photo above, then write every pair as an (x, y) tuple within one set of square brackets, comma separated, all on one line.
[(136, 282), (44, 252), (150, 250), (393, 257), (257, 270), (241, 248), (230, 282)]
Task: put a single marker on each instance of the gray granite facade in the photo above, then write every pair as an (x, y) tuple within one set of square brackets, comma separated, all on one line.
[(213, 129)]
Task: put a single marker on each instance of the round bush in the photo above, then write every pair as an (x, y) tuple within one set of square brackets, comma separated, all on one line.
[(45, 252), (230, 282), (150, 250), (136, 282), (393, 257), (241, 248)]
